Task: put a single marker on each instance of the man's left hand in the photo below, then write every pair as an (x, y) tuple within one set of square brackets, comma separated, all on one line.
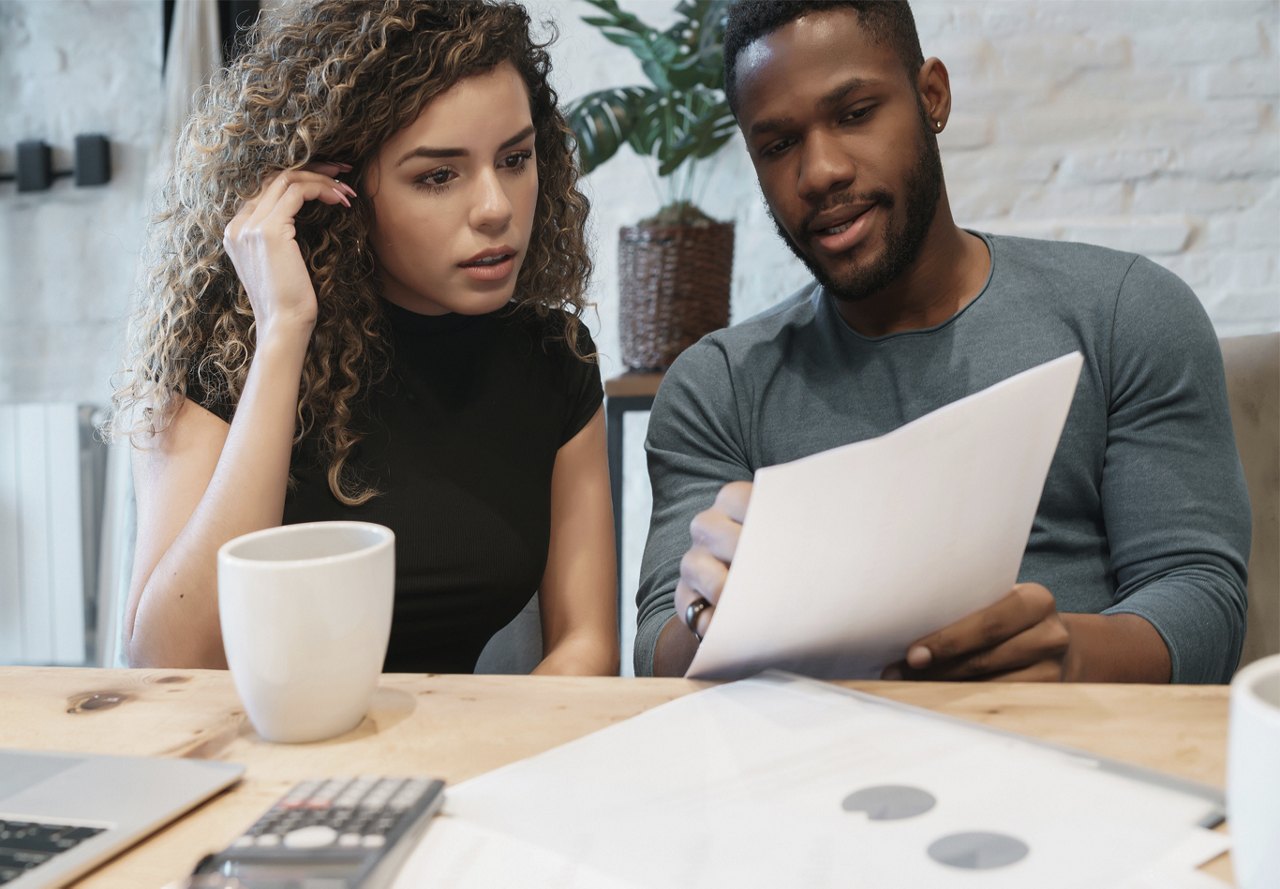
[(1021, 638)]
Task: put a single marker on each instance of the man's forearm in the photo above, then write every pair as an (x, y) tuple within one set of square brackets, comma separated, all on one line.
[(675, 648), (1115, 648)]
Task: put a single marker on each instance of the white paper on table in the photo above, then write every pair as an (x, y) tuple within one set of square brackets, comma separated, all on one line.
[(458, 854), (848, 556), (744, 785), (1178, 869)]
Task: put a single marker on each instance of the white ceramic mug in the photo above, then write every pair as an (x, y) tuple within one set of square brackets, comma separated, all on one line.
[(1253, 775), (306, 615)]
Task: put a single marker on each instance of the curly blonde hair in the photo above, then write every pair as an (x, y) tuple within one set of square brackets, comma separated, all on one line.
[(329, 80)]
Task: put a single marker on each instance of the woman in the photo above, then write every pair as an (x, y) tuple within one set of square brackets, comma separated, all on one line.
[(364, 304)]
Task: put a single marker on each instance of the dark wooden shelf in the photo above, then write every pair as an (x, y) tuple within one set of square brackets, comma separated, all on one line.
[(633, 385)]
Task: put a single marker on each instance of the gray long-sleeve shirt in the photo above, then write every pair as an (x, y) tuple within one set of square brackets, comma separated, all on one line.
[(1144, 510)]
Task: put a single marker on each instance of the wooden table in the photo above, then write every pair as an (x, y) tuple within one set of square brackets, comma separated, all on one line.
[(456, 727)]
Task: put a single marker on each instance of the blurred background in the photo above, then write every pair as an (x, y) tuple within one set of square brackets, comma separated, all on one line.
[(1140, 125)]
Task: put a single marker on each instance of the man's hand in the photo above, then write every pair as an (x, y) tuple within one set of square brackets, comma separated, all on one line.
[(1021, 638), (705, 566)]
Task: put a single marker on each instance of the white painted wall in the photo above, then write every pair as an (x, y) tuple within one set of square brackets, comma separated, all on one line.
[(1146, 125), (68, 255)]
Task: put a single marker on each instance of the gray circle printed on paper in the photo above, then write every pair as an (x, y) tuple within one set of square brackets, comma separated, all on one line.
[(889, 802), (978, 850)]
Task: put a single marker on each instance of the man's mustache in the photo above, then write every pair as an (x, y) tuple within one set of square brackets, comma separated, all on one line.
[(844, 199)]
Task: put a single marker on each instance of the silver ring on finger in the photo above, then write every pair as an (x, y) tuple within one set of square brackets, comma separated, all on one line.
[(695, 608)]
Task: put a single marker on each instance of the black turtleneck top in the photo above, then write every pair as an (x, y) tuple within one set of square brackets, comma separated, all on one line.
[(460, 438)]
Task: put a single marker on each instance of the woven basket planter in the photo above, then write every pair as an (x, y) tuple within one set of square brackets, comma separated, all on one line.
[(674, 282)]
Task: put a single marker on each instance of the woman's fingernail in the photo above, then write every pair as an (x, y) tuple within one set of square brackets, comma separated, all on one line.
[(351, 191), (919, 657), (342, 197)]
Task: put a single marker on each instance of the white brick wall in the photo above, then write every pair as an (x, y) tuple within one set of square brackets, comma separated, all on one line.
[(68, 255), (1139, 124)]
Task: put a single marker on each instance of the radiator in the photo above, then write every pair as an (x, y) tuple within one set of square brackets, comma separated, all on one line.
[(51, 483)]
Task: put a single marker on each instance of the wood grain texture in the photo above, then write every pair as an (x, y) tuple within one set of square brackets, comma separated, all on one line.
[(455, 727)]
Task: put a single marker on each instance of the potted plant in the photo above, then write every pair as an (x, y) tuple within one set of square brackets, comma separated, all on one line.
[(675, 267)]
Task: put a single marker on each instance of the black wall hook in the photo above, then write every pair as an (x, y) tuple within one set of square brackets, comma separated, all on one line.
[(35, 163)]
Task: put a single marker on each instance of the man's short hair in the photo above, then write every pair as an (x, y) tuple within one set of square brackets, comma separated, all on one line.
[(888, 22)]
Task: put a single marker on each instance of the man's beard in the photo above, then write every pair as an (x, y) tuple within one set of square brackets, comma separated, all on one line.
[(901, 245)]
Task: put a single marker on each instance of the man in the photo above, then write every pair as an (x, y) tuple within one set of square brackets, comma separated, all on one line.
[(1135, 567)]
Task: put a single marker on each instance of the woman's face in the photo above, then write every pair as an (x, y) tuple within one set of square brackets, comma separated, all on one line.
[(453, 197)]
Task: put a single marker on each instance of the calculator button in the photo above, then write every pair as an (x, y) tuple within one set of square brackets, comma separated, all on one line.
[(268, 839), (348, 840), (407, 795), (243, 841), (329, 791), (382, 824), (382, 792), (339, 818), (311, 837), (298, 795), (373, 841), (354, 791)]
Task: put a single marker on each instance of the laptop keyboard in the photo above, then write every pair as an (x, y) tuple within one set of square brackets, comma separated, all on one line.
[(27, 844)]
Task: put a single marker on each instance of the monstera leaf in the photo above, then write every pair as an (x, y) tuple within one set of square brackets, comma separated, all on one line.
[(605, 120), (682, 116)]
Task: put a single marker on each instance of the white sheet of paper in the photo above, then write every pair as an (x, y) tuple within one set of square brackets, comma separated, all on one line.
[(458, 854), (745, 785), (1179, 868), (848, 556)]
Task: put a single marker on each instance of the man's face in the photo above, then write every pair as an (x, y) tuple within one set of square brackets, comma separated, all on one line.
[(842, 149)]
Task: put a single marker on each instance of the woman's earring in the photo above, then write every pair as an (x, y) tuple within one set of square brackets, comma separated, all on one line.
[(363, 255), (938, 124)]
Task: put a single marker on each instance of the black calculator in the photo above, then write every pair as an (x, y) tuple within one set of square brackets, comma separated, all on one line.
[(339, 833)]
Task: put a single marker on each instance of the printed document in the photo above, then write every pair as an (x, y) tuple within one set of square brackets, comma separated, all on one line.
[(848, 556), (781, 781)]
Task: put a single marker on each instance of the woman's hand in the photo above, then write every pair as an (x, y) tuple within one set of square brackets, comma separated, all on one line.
[(201, 481), (261, 241)]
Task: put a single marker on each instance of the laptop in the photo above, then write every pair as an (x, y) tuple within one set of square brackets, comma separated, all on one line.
[(62, 814)]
